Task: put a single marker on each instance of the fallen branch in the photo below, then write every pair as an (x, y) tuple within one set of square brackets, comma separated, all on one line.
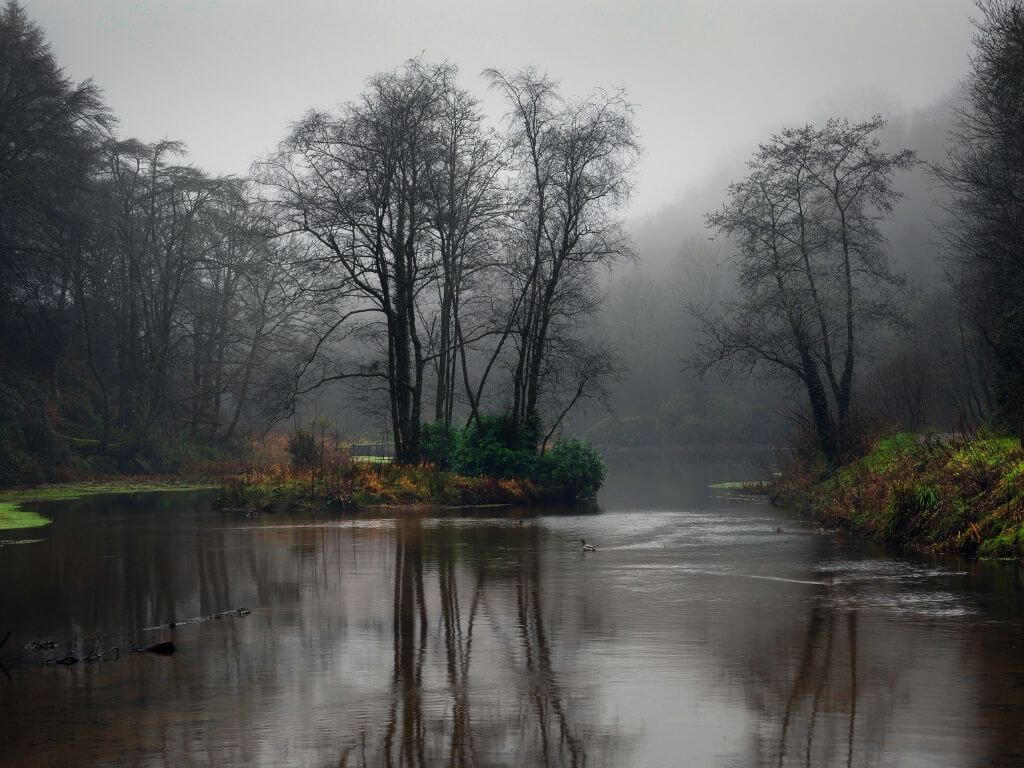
[(113, 653)]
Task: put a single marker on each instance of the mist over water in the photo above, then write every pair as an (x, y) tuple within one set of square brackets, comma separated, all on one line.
[(698, 634)]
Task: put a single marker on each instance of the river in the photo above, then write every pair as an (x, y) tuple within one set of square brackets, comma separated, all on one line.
[(708, 630)]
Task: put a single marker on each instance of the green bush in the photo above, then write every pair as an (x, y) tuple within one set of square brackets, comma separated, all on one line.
[(495, 448), (437, 443), (573, 465)]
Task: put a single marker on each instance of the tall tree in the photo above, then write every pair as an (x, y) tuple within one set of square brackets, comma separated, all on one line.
[(573, 159), (468, 207), (355, 183), (50, 132), (159, 236), (811, 270), (985, 173)]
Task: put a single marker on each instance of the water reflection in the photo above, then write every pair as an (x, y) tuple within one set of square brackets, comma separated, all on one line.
[(525, 716), (696, 636), (372, 643)]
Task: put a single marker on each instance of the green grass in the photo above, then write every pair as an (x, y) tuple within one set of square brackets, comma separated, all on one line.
[(12, 516), (964, 495), (71, 491), (890, 450)]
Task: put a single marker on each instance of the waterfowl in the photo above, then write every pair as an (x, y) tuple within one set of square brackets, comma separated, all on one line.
[(587, 547)]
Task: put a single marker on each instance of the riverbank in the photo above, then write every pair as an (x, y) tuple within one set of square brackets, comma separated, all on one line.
[(959, 495), (14, 516), (365, 484)]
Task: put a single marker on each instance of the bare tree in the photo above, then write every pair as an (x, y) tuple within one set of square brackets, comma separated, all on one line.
[(152, 238), (811, 270), (468, 210), (356, 184), (573, 159)]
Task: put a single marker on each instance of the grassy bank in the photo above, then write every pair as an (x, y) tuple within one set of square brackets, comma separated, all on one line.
[(363, 484), (935, 495), (70, 491), (13, 515)]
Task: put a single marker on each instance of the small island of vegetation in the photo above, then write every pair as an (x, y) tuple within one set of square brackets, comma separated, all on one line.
[(485, 463)]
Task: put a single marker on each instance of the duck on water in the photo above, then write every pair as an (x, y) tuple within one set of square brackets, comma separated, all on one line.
[(584, 547)]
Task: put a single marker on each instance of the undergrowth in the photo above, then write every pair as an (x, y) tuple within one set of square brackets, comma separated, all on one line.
[(373, 484), (963, 494)]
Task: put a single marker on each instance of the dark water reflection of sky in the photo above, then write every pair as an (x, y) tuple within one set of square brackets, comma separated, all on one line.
[(697, 635)]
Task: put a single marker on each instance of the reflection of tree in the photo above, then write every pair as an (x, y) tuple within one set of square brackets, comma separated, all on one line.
[(546, 694), (458, 646), (992, 652), (813, 710), (482, 670), (415, 735)]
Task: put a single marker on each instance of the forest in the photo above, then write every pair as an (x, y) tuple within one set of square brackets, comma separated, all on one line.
[(406, 267), (444, 270)]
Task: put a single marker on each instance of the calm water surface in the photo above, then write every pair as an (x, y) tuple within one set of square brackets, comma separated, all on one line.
[(696, 636)]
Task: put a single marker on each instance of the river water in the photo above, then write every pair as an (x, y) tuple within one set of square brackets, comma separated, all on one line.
[(698, 635)]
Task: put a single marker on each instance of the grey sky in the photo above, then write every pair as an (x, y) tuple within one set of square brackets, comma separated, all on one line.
[(227, 76)]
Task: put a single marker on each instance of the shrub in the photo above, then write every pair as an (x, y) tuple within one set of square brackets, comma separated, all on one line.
[(573, 465), (494, 447), (316, 445), (302, 447), (437, 443)]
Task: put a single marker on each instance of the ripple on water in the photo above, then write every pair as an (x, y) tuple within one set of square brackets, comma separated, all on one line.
[(939, 605), (882, 570)]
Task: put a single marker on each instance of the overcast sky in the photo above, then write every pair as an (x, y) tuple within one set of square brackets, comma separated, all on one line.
[(708, 77)]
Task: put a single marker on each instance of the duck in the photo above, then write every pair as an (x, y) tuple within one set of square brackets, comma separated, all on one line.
[(584, 547)]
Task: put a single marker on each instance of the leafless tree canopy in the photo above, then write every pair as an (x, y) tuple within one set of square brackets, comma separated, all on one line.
[(810, 264), (461, 252)]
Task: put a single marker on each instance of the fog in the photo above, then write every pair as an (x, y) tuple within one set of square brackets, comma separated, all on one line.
[(709, 79), (290, 330)]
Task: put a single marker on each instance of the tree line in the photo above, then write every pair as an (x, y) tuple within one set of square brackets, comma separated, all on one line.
[(441, 266), (448, 271)]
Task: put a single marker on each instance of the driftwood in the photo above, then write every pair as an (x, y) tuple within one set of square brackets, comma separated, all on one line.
[(113, 653), (199, 619), (166, 648)]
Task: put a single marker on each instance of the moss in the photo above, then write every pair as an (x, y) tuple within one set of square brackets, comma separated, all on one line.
[(13, 516)]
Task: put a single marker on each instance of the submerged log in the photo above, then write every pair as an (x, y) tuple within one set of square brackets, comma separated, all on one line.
[(162, 648)]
